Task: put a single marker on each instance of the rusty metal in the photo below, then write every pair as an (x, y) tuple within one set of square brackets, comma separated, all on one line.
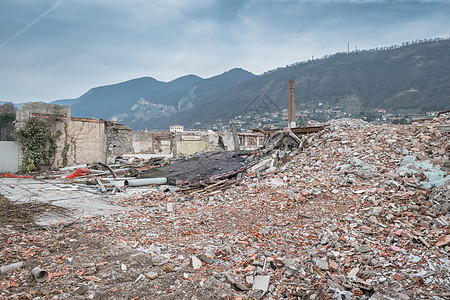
[(297, 130), (259, 130), (443, 112)]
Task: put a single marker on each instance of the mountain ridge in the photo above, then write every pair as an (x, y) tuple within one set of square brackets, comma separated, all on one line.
[(413, 77)]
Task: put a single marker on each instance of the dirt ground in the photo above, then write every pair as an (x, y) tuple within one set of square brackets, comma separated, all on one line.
[(349, 217), (84, 262)]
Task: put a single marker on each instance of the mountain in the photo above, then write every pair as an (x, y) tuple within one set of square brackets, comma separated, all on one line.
[(409, 79), (146, 102), (167, 108), (106, 101), (412, 78), (65, 101)]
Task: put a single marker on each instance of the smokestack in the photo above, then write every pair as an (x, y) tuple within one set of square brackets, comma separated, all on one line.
[(291, 107)]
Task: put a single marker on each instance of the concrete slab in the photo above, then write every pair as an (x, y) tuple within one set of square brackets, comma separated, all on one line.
[(81, 201)]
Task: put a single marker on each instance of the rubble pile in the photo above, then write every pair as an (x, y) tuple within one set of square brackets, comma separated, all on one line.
[(356, 211), (200, 166)]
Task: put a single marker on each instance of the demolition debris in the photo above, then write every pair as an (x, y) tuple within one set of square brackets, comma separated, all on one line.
[(353, 211)]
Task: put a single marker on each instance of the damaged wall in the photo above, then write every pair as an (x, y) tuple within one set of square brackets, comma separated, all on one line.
[(29, 110), (190, 142), (119, 139), (84, 140), (81, 140), (152, 142), (247, 140)]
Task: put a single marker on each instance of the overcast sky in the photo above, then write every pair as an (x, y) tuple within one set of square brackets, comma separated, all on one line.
[(57, 49)]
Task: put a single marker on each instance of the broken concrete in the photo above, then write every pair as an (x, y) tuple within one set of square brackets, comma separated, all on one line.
[(80, 202)]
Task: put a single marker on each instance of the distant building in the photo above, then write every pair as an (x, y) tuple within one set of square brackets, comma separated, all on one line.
[(176, 128)]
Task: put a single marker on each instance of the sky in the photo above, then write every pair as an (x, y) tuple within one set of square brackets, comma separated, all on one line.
[(59, 49)]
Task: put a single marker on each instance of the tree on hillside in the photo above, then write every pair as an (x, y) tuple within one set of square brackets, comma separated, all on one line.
[(7, 117)]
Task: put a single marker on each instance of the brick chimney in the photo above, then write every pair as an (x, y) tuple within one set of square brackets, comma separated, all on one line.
[(291, 107)]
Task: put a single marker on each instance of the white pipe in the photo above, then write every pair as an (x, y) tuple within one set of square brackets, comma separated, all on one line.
[(146, 181), (11, 267)]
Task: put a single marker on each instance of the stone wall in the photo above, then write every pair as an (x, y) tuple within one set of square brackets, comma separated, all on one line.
[(119, 139), (81, 141), (32, 109), (142, 142)]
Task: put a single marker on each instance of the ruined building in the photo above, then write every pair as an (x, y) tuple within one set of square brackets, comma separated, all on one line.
[(84, 140)]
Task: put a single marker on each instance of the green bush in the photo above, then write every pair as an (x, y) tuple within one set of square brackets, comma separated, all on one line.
[(38, 144)]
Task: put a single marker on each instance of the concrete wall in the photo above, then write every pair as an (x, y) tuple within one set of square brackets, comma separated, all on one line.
[(29, 110), (9, 157), (81, 140), (85, 140), (119, 139), (190, 142), (142, 142), (151, 142)]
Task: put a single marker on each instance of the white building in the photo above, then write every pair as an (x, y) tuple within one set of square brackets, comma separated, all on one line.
[(176, 128)]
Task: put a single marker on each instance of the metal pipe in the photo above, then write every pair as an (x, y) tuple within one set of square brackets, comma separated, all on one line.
[(146, 181), (39, 275), (11, 267)]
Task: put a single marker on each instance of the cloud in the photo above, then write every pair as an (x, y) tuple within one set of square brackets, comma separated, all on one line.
[(54, 6), (88, 43)]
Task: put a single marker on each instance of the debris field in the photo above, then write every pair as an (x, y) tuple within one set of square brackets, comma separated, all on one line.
[(355, 211)]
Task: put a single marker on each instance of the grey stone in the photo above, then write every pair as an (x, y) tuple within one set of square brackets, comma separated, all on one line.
[(353, 272), (196, 263), (334, 286), (364, 248), (207, 258), (81, 290), (408, 160), (152, 275), (377, 210), (356, 162), (155, 249), (344, 167), (261, 283), (379, 296), (402, 296), (292, 263), (159, 259), (342, 295), (255, 294), (321, 263), (276, 182), (445, 207), (235, 282)]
